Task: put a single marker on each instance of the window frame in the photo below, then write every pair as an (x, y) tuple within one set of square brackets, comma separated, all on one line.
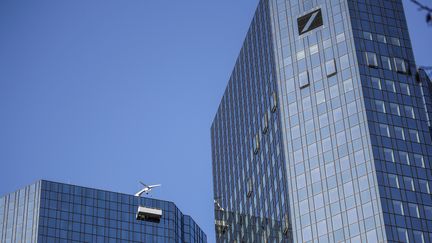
[(304, 80), (402, 63), (331, 71), (369, 56), (386, 63)]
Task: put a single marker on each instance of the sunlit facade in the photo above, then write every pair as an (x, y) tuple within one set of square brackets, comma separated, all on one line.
[(324, 128), (56, 212)]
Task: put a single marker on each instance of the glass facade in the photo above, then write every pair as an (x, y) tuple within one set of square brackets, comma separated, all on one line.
[(19, 215), (55, 212), (248, 160), (347, 156)]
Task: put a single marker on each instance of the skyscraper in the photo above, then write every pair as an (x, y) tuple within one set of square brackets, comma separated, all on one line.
[(56, 212), (323, 132)]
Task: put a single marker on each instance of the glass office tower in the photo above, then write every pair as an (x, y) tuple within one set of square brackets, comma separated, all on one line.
[(323, 133), (55, 212)]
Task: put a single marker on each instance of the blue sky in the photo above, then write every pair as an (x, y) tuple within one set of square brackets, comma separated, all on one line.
[(105, 93)]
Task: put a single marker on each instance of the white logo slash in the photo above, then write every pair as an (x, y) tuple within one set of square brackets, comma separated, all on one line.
[(310, 21)]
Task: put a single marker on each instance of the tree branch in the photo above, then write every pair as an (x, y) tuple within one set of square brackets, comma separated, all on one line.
[(422, 6)]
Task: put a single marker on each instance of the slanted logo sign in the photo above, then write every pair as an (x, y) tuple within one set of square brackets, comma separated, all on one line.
[(309, 21)]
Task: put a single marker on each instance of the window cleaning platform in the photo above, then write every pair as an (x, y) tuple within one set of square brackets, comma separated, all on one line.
[(149, 214)]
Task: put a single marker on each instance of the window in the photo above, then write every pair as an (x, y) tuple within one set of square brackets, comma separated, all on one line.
[(367, 210), (344, 62), (390, 86), (403, 235), (304, 79), (367, 35), (398, 207), (384, 130), (340, 37), (307, 233), (386, 63), (315, 175), (409, 183), (250, 188), (300, 55), (376, 83), (320, 97), (404, 158), (409, 112), (317, 73), (399, 132), (330, 68), (381, 38), (295, 132), (393, 181), (337, 114), (424, 186), (413, 210), (334, 91), (428, 212), (388, 155), (414, 136), (405, 89), (318, 201), (265, 123), (400, 65), (395, 41), (256, 144), (371, 59), (301, 181), (273, 102), (304, 207), (380, 106), (419, 160), (313, 49), (348, 85), (394, 109), (418, 237)]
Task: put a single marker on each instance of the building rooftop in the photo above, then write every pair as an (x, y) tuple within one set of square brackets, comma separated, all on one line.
[(63, 212)]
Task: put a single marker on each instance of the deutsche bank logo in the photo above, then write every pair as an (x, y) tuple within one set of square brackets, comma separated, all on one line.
[(310, 21)]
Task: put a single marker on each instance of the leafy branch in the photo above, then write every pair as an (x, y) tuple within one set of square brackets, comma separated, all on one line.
[(427, 9)]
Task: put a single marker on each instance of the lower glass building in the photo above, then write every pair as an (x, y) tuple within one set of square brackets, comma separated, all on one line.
[(55, 212)]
